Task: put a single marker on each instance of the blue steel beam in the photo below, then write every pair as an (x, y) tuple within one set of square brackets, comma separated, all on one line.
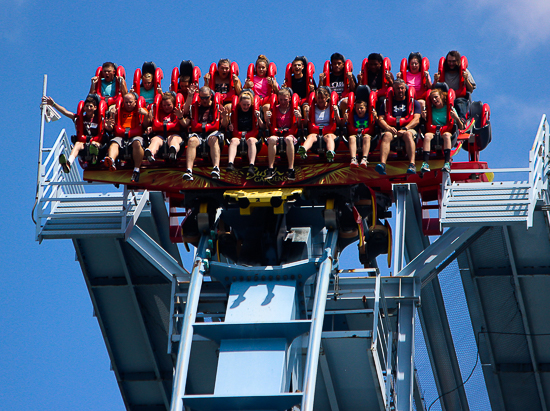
[(156, 255), (432, 314), (317, 317), (184, 351)]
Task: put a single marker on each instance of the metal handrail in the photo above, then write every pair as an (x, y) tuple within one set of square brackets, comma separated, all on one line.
[(55, 187), (539, 168), (538, 164)]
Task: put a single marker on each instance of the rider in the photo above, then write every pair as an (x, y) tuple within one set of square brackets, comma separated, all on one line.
[(108, 82), (299, 83), (400, 108), (245, 114), (454, 72), (91, 128), (438, 99), (206, 112), (338, 76), (286, 122), (127, 118), (262, 83), (322, 119), (416, 78), (170, 113)]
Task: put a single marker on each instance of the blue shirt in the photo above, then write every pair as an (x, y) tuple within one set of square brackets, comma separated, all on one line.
[(148, 95), (108, 89)]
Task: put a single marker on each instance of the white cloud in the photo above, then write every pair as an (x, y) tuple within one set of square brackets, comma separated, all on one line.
[(526, 22)]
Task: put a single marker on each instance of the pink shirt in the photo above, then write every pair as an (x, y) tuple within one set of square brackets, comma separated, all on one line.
[(415, 80), (261, 86), (284, 120)]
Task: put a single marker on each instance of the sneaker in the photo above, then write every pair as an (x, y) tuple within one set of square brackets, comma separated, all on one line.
[(149, 155), (188, 175), (135, 177), (269, 174), (251, 170), (381, 169), (330, 156), (291, 175), (172, 153), (230, 167), (411, 169), (302, 152), (364, 162), (468, 126), (354, 163), (94, 151), (215, 174), (446, 167), (64, 163), (109, 163), (425, 167)]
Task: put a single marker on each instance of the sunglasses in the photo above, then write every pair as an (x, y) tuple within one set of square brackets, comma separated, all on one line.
[(205, 98)]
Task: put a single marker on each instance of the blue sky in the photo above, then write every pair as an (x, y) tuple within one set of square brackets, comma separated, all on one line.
[(51, 350)]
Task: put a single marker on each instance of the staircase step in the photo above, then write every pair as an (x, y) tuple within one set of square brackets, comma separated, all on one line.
[(487, 204), (217, 332), (279, 402)]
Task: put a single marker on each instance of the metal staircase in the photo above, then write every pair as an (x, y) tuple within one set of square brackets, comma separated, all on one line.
[(65, 210), (499, 203)]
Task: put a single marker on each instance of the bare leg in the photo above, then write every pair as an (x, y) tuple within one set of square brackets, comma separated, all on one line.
[(353, 146), (156, 143), (366, 144), (427, 139), (76, 149), (137, 153), (289, 140), (232, 152), (310, 140), (174, 141), (329, 140), (191, 152), (409, 146), (113, 151), (251, 142), (385, 146), (272, 151), (446, 141), (214, 150)]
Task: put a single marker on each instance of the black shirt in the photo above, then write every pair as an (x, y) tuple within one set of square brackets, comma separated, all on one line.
[(245, 119)]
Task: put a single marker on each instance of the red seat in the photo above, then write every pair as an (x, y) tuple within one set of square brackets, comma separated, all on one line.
[(157, 77), (424, 66), (233, 70), (99, 118), (309, 72), (271, 72), (462, 91), (120, 72), (327, 68), (160, 123), (386, 67)]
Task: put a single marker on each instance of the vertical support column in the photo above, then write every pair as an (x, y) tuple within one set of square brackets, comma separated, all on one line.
[(184, 352), (40, 173), (317, 317), (405, 356), (407, 309), (400, 193)]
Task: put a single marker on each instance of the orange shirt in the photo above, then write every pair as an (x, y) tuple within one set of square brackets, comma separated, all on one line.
[(129, 119)]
